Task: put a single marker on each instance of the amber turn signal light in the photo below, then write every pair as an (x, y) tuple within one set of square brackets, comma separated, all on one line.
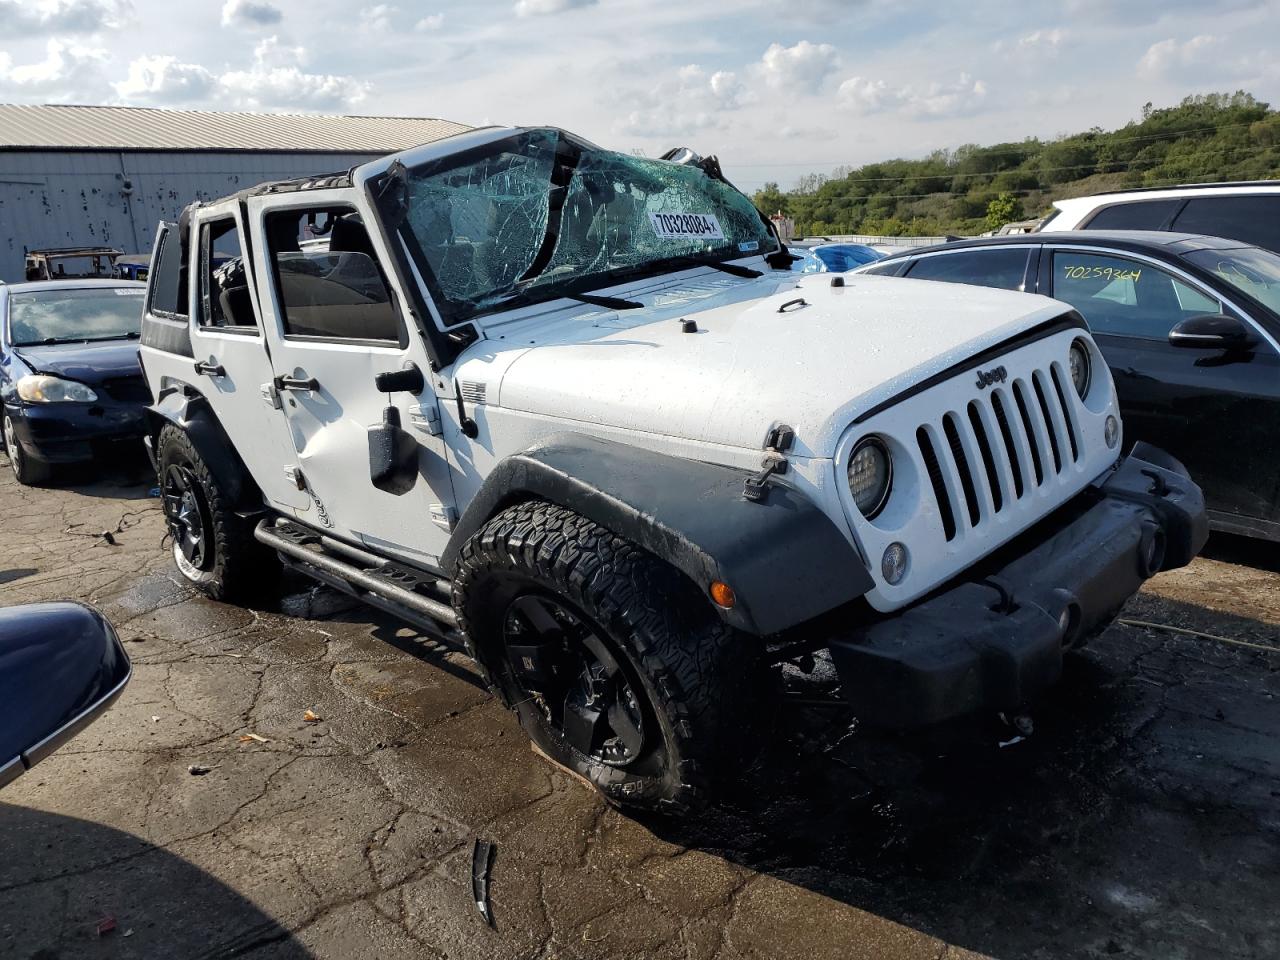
[(723, 594)]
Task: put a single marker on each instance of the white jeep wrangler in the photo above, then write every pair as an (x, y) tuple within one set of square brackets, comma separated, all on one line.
[(570, 408)]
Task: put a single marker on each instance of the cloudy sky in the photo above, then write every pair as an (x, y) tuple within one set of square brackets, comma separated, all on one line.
[(777, 88)]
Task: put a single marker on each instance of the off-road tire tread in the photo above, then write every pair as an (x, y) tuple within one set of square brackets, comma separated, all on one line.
[(707, 676), (243, 568)]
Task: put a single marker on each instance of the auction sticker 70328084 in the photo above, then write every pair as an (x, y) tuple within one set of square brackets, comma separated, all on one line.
[(686, 226)]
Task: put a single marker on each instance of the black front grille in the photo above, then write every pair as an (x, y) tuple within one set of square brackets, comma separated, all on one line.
[(128, 389)]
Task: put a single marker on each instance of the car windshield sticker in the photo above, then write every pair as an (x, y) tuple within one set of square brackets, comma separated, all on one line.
[(129, 291), (750, 246), (686, 226)]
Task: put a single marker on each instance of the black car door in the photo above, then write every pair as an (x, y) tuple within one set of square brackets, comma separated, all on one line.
[(1217, 411)]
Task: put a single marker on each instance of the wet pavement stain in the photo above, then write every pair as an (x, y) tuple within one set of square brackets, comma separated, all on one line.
[(1139, 819)]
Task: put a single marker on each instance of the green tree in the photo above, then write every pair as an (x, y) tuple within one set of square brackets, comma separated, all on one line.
[(770, 200), (1003, 209)]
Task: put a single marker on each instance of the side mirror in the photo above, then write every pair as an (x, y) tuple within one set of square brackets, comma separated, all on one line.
[(61, 666), (393, 455), (1211, 332)]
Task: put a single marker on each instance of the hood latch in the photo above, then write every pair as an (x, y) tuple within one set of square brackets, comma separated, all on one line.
[(774, 462)]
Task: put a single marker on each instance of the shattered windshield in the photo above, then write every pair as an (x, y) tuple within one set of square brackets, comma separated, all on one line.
[(540, 215)]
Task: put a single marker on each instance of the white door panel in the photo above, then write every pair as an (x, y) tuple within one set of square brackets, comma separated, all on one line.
[(231, 371), (327, 389)]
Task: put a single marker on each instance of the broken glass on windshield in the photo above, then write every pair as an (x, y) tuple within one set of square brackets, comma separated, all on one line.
[(541, 215)]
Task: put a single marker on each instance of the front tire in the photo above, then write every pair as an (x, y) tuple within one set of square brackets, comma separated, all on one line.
[(213, 548), (617, 667), (26, 471)]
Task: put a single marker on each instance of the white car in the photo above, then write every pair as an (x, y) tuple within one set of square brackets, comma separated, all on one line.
[(570, 408), (1249, 212)]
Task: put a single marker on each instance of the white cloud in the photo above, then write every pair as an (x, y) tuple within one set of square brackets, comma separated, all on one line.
[(164, 80), (377, 18), (800, 68), (60, 16), (68, 72), (1171, 56), (687, 102), (938, 99), (428, 23), (1037, 45), (250, 13), (276, 81), (537, 8)]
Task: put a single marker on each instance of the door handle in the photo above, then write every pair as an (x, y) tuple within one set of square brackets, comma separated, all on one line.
[(210, 369), (311, 384)]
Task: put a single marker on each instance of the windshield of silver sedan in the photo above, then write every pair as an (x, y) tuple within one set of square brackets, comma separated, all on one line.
[(541, 215)]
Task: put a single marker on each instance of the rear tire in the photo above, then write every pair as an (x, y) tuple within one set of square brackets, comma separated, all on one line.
[(213, 549), (26, 471), (632, 681)]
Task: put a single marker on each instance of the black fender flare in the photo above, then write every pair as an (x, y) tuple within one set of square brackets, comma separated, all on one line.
[(191, 412), (784, 558)]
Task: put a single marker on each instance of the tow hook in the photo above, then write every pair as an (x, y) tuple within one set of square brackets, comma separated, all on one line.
[(778, 441)]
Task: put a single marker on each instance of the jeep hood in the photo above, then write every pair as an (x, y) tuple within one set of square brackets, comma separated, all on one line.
[(814, 364)]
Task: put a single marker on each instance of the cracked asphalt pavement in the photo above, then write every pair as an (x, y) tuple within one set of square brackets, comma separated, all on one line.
[(1140, 819)]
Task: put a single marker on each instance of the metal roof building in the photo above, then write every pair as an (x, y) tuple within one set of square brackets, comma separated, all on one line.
[(75, 176)]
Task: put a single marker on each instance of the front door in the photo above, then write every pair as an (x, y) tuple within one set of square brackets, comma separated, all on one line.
[(231, 368), (1216, 411), (334, 327)]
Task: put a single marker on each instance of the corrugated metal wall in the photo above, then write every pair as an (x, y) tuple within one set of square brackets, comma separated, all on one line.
[(65, 199)]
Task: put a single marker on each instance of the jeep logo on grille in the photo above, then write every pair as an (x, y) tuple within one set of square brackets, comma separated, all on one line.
[(987, 377)]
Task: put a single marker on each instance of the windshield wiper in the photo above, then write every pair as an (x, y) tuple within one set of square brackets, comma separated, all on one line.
[(609, 303), (733, 269), (131, 335)]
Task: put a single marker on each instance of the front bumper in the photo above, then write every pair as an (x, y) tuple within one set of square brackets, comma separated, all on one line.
[(63, 433), (996, 641)]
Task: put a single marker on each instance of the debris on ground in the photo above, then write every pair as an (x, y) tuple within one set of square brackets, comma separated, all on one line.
[(253, 738), (154, 718), (312, 717), (481, 866), (198, 770), (106, 925)]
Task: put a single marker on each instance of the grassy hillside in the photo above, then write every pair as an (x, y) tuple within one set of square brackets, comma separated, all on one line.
[(971, 189)]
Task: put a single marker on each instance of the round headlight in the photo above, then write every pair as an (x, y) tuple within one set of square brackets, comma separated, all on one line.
[(1078, 362), (870, 475)]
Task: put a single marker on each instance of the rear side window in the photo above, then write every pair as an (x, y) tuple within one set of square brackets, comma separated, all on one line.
[(1003, 267), (224, 285), (1127, 298), (1136, 215), (1252, 219), (889, 269), (328, 280), (169, 277)]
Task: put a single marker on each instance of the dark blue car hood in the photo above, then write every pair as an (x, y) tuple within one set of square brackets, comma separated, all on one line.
[(87, 362)]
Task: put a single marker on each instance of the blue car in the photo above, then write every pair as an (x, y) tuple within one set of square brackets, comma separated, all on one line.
[(71, 385), (832, 257)]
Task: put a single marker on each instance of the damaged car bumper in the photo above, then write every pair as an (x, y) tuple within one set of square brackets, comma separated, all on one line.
[(67, 434), (996, 641)]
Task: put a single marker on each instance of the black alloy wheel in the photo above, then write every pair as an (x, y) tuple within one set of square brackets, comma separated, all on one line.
[(187, 517), (564, 664)]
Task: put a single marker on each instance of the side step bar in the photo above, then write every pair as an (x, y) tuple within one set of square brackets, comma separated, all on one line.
[(378, 580)]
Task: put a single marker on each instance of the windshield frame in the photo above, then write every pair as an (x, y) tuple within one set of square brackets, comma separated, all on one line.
[(453, 313), (10, 295)]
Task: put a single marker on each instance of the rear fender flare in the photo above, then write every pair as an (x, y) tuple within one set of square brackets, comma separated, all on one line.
[(785, 559), (191, 412)]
